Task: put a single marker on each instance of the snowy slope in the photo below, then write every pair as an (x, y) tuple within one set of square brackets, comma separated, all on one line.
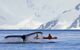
[(75, 24), (65, 20), (48, 25), (22, 25)]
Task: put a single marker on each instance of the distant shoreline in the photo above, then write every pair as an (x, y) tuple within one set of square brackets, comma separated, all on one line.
[(39, 30)]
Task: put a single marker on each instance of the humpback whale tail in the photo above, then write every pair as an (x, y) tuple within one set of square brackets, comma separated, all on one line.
[(23, 37)]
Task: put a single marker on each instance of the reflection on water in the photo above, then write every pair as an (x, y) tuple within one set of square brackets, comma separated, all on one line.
[(67, 40)]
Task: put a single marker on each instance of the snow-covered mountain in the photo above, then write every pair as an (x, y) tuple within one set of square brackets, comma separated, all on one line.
[(67, 20), (75, 24), (48, 25), (41, 14)]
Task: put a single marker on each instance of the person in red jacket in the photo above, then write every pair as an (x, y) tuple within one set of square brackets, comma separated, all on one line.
[(49, 36)]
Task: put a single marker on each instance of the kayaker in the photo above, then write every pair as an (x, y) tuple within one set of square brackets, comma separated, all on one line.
[(49, 36)]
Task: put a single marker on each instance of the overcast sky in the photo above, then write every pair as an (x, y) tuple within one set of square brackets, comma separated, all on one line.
[(13, 12)]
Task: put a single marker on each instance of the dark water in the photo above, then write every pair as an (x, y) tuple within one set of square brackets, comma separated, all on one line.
[(67, 40)]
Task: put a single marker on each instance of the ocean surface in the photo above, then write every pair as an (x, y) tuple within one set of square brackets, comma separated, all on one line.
[(67, 40)]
